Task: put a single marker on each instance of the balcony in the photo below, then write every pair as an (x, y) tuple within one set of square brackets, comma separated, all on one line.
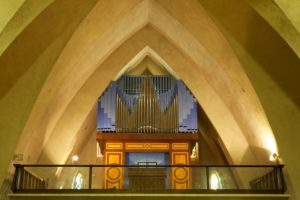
[(147, 180)]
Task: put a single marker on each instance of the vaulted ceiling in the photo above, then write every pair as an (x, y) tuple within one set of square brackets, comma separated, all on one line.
[(237, 57)]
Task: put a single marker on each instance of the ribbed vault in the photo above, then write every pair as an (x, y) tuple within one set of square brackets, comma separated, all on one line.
[(96, 54)]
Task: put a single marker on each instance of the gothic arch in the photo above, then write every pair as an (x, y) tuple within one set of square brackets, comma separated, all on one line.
[(217, 80)]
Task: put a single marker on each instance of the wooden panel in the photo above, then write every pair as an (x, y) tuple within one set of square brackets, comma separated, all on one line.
[(180, 158), (114, 146), (157, 137), (181, 186), (180, 175), (180, 146), (159, 146), (147, 178), (114, 158), (113, 185), (114, 175), (147, 146), (134, 146)]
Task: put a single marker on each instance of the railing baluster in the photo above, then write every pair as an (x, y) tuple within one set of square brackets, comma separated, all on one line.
[(21, 177), (90, 177), (283, 189), (276, 178), (207, 178), (14, 187)]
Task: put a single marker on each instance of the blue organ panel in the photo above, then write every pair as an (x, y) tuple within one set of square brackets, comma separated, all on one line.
[(106, 121), (187, 109)]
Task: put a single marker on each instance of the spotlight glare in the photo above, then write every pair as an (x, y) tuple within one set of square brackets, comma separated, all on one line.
[(274, 157), (75, 158)]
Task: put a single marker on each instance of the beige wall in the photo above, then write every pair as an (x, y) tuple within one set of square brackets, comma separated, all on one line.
[(291, 9), (280, 22), (273, 69), (23, 16), (25, 65), (7, 11)]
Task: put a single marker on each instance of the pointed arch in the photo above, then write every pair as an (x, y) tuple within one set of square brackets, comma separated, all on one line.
[(86, 97), (138, 58), (218, 82)]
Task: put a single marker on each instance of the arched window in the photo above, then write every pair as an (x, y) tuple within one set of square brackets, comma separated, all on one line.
[(77, 181), (215, 182)]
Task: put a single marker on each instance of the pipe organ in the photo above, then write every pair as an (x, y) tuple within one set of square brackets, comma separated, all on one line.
[(160, 105), (147, 104)]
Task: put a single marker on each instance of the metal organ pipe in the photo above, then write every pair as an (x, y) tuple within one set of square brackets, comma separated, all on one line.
[(147, 104)]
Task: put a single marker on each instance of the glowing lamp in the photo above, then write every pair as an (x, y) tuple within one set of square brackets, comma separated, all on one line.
[(75, 158), (274, 157)]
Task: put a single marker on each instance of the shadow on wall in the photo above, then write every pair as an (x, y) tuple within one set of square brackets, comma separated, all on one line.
[(261, 41), (35, 39)]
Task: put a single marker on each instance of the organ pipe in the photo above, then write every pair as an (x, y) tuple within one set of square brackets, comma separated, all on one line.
[(147, 104)]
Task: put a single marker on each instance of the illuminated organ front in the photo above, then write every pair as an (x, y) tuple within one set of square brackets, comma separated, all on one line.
[(147, 117), (147, 104)]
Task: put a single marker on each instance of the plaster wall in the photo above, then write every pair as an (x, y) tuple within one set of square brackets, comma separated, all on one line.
[(26, 12), (291, 9), (7, 11), (283, 114), (24, 68), (277, 18), (273, 70)]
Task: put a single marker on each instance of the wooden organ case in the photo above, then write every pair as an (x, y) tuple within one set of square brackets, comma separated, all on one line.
[(147, 114)]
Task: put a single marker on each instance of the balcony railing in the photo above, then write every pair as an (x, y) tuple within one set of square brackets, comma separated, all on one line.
[(143, 178)]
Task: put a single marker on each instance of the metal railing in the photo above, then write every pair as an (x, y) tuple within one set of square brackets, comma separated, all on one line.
[(158, 178)]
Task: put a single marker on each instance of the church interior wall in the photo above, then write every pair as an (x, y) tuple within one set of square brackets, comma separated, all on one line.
[(270, 63)]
